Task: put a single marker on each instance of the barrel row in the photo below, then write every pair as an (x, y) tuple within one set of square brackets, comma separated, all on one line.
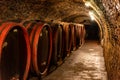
[(35, 47)]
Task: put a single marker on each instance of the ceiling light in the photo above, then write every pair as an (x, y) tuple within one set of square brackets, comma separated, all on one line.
[(91, 15), (87, 4)]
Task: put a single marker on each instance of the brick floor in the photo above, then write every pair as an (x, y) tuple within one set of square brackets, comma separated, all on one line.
[(86, 63)]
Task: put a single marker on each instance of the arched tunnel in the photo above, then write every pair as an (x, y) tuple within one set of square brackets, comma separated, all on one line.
[(87, 30), (92, 31)]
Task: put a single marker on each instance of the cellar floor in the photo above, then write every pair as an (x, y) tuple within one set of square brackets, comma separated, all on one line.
[(86, 63)]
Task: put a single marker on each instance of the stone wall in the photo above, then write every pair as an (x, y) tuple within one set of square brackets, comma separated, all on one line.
[(23, 9), (111, 10)]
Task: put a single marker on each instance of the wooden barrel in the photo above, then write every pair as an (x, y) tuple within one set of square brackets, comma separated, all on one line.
[(41, 44), (68, 32), (57, 54), (73, 36), (83, 34), (78, 35), (15, 52)]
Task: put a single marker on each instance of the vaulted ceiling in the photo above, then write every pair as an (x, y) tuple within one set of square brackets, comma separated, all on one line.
[(62, 10)]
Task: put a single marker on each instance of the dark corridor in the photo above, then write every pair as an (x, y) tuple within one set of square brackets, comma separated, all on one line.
[(92, 31)]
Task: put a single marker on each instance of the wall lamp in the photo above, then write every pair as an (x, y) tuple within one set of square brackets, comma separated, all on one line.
[(87, 3), (91, 15)]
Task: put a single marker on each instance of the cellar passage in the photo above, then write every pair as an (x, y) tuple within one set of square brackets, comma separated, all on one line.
[(92, 31), (75, 13)]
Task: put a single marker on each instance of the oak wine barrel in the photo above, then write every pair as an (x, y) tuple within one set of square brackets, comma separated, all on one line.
[(15, 52), (78, 35), (41, 44), (73, 36), (57, 53), (68, 32), (83, 32)]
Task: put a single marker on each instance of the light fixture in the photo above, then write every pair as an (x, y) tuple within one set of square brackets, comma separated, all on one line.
[(87, 4), (91, 15)]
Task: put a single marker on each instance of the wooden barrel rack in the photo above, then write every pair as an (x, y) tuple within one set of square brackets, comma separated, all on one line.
[(35, 45)]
